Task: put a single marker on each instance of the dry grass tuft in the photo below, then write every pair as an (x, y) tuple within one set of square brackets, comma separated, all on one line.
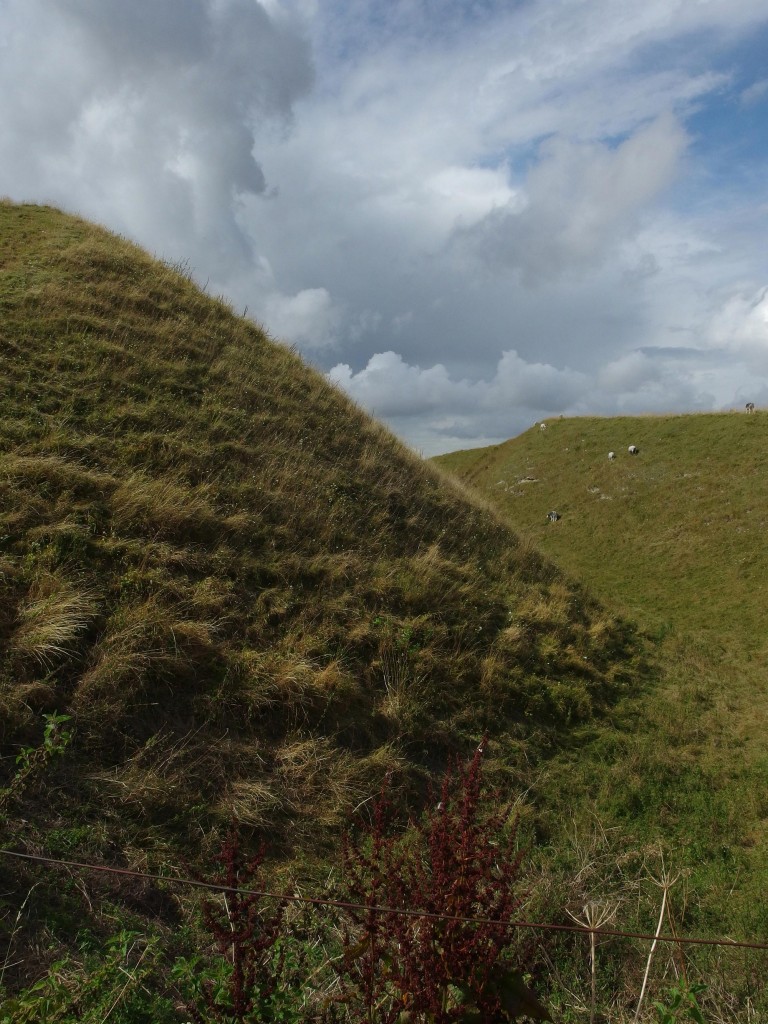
[(253, 802), (164, 773), (163, 509), (318, 780), (52, 618), (404, 697)]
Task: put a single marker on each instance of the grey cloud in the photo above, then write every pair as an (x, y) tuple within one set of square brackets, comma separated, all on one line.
[(646, 266), (146, 114), (216, 57), (692, 354), (142, 33), (580, 200)]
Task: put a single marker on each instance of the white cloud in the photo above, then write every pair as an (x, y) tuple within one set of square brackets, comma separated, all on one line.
[(466, 194), (451, 413), (741, 326), (755, 92), (391, 388), (538, 387), (629, 373)]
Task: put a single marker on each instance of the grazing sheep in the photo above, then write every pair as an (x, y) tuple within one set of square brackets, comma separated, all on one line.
[(553, 516), (543, 426), (750, 406), (611, 456), (633, 449)]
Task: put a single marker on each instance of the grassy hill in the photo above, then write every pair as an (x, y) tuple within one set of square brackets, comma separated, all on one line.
[(248, 596), (252, 601), (674, 536)]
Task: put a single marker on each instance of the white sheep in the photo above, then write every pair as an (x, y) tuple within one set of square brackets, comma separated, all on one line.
[(543, 426), (750, 406), (611, 456), (633, 449)]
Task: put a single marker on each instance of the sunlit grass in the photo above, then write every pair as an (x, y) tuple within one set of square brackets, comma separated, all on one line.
[(674, 538)]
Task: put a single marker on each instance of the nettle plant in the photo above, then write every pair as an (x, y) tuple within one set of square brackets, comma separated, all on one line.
[(458, 958)]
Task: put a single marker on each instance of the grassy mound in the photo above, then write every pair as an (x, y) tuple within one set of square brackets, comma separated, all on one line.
[(248, 595), (251, 600)]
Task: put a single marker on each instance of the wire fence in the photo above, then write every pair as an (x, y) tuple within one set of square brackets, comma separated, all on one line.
[(319, 901), (582, 970)]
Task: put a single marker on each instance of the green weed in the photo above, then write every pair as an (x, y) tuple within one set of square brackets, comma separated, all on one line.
[(681, 1004)]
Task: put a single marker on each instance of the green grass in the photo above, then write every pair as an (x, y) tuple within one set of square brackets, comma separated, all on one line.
[(675, 538), (675, 534)]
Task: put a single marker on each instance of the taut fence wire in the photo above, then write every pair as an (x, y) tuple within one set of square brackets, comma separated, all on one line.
[(320, 901)]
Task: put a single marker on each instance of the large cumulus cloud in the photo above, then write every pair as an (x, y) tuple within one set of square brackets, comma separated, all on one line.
[(440, 412), (144, 114), (581, 199)]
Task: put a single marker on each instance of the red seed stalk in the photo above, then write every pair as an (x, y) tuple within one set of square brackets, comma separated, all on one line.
[(245, 935), (458, 860)]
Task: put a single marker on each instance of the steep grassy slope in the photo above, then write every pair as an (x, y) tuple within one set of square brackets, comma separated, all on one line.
[(249, 597)]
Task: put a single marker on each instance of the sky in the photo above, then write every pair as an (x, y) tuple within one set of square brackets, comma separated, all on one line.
[(472, 215)]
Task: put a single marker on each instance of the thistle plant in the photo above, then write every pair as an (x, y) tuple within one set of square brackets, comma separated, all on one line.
[(32, 761)]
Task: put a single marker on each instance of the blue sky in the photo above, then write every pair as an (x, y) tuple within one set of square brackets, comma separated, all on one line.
[(471, 215)]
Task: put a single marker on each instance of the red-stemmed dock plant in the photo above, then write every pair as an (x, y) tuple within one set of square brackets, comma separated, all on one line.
[(458, 862)]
